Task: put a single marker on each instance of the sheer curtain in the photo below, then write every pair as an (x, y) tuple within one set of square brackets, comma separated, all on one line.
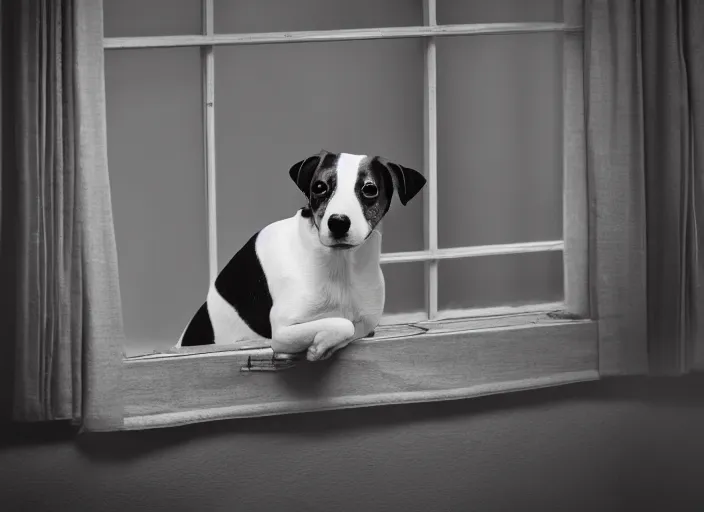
[(60, 290), (644, 81)]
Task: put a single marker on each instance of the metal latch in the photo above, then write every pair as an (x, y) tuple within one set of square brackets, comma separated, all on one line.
[(273, 363)]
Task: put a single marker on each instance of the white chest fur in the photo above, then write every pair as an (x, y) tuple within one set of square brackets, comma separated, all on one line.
[(309, 282), (342, 287)]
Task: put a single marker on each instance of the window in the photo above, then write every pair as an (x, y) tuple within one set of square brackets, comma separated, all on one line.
[(208, 105)]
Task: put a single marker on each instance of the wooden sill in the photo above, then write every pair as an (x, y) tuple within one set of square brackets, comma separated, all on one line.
[(421, 362)]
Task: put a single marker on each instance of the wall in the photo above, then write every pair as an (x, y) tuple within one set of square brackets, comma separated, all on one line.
[(609, 446)]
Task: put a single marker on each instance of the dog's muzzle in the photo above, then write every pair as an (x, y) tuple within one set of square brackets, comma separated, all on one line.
[(339, 226)]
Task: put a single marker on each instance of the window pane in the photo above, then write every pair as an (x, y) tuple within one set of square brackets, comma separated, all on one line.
[(141, 18), (278, 104), (498, 11), (155, 155), (507, 280), (405, 288), (233, 16), (499, 139)]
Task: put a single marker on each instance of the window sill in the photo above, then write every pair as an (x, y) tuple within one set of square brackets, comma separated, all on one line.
[(401, 364)]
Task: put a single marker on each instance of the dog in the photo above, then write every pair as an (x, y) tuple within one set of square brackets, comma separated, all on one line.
[(313, 282)]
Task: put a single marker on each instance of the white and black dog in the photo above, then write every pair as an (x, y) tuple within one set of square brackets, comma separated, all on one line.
[(311, 282)]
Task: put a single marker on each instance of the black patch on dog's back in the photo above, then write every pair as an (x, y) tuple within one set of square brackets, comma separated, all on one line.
[(242, 283), (199, 330)]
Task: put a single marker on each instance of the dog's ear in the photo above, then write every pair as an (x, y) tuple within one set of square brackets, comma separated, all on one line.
[(302, 172), (407, 182)]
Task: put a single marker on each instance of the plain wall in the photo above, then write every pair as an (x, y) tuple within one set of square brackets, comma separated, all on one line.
[(499, 144), (631, 445)]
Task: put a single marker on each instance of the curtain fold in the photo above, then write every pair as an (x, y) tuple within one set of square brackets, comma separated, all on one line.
[(615, 161), (103, 332), (67, 327), (693, 34), (645, 102)]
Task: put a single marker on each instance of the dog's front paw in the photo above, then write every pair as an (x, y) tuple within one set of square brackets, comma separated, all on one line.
[(290, 346), (318, 354), (327, 342), (321, 354)]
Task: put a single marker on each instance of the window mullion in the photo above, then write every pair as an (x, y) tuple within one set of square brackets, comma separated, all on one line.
[(430, 156), (208, 60)]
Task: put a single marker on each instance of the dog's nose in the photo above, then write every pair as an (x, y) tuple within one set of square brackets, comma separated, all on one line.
[(339, 225)]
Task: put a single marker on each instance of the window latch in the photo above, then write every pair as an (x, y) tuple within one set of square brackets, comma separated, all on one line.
[(273, 363)]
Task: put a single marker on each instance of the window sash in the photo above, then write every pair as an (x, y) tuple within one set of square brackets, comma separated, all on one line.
[(574, 246)]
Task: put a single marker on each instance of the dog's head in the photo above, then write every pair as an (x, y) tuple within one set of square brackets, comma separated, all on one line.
[(348, 195)]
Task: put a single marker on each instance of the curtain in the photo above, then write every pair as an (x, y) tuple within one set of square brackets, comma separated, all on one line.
[(60, 287), (694, 52), (644, 80)]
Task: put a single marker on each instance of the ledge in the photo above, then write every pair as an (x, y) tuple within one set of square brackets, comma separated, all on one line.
[(405, 364)]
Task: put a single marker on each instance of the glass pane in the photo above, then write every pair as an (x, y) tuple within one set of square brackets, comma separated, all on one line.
[(507, 280), (236, 16), (278, 104), (498, 11), (141, 18), (499, 139), (155, 155), (405, 288)]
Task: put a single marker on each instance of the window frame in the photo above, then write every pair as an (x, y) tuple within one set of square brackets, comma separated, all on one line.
[(446, 354)]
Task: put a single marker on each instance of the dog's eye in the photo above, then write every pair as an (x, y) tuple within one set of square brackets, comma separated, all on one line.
[(369, 190), (319, 188)]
